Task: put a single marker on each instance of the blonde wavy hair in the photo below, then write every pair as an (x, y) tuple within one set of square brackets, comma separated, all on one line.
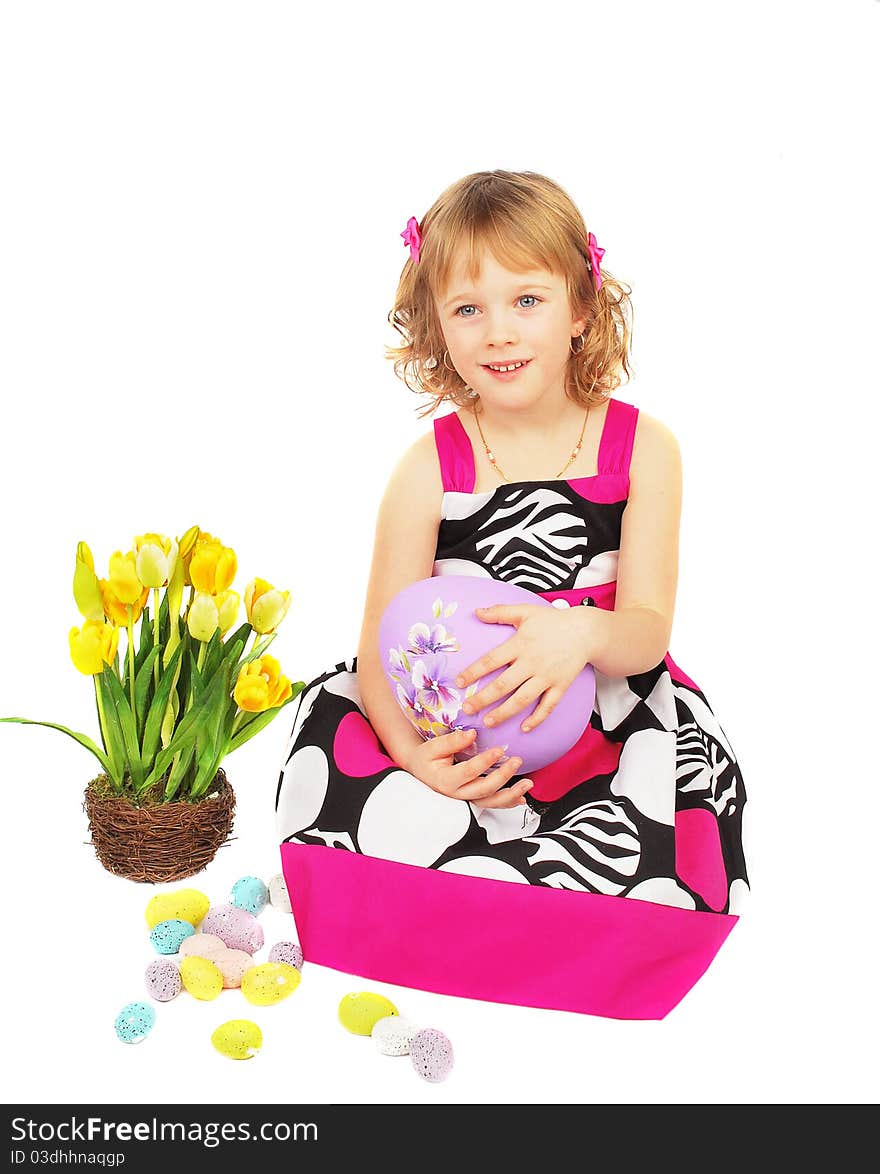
[(526, 221)]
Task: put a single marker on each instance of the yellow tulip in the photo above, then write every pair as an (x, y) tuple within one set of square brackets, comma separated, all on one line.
[(186, 547), (266, 607), (227, 606), (212, 566), (124, 580), (93, 646), (115, 609), (155, 558), (261, 686), (203, 617), (86, 589)]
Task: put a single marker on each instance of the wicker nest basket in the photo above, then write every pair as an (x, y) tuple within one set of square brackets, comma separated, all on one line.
[(158, 841)]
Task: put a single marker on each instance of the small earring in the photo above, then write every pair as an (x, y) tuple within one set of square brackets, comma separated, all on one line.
[(471, 394), (445, 357), (583, 339)]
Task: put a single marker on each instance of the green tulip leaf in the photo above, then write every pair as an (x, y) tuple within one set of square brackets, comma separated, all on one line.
[(179, 767), (191, 725), (153, 724), (142, 682), (127, 724), (83, 740)]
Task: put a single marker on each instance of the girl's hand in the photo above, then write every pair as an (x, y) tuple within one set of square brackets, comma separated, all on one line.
[(550, 648), (433, 763)]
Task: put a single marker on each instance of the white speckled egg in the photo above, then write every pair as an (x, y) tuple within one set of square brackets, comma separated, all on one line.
[(279, 898), (393, 1035), (431, 1054), (250, 893), (134, 1022), (202, 945), (238, 928), (162, 980), (232, 964), (288, 952), (167, 936)]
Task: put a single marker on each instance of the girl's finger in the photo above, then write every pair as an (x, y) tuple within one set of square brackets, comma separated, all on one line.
[(500, 687), (510, 797), (499, 656), (471, 769), (445, 745), (492, 783), (547, 704), (523, 698)]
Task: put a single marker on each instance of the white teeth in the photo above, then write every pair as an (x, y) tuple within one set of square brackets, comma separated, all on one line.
[(511, 367)]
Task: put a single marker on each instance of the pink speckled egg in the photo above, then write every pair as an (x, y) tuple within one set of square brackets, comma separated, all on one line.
[(238, 928), (288, 952), (202, 945), (431, 1054), (162, 980), (232, 964)]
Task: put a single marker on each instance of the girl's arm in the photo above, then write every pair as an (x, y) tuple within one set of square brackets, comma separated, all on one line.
[(635, 636), (404, 549)]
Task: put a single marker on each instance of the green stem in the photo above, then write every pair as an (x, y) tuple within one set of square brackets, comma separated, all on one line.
[(131, 660), (236, 722), (156, 636), (203, 652), (102, 720)]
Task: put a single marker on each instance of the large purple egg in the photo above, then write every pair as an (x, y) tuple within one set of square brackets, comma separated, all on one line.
[(429, 633)]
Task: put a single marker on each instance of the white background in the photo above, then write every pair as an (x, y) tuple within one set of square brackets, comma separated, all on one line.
[(200, 244)]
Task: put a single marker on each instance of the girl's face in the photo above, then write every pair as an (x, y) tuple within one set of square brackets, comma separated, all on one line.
[(506, 318)]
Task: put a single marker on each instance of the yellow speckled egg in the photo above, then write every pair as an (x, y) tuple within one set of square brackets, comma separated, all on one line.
[(239, 1039), (268, 983), (180, 905), (360, 1012), (200, 977)]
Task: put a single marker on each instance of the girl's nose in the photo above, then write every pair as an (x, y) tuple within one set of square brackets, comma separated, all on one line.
[(500, 331)]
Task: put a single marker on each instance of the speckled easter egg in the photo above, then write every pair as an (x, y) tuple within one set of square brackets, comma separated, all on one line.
[(232, 964), (167, 936), (359, 1012), (238, 928), (288, 952), (202, 945), (180, 905), (279, 897), (249, 893), (134, 1022), (239, 1039), (431, 1054), (201, 978), (393, 1035), (269, 983), (162, 980)]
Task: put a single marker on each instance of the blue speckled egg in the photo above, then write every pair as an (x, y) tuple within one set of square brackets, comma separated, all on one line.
[(162, 980), (134, 1022), (431, 1054), (167, 935), (249, 893)]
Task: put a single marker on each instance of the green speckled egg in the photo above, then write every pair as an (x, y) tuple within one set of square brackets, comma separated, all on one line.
[(360, 1012)]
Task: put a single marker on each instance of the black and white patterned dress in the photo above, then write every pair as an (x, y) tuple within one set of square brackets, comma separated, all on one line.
[(611, 892)]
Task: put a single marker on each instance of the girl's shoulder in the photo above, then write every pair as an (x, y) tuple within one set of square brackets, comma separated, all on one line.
[(656, 456)]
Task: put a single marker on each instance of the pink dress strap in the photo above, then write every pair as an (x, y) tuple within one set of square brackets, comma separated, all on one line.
[(618, 434), (455, 453)]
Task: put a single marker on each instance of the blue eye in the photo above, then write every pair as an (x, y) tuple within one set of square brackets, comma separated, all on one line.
[(470, 306)]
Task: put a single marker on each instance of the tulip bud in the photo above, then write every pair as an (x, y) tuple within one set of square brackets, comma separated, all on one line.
[(266, 606), (203, 617), (213, 565), (124, 581), (86, 589), (187, 545), (93, 646), (155, 559), (115, 609), (227, 605)]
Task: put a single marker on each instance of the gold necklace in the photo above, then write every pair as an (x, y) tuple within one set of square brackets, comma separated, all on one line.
[(491, 456)]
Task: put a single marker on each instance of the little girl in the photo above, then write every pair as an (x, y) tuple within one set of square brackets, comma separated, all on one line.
[(607, 881)]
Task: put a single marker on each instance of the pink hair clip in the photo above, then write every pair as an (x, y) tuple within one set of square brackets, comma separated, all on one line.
[(412, 237), (595, 254)]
